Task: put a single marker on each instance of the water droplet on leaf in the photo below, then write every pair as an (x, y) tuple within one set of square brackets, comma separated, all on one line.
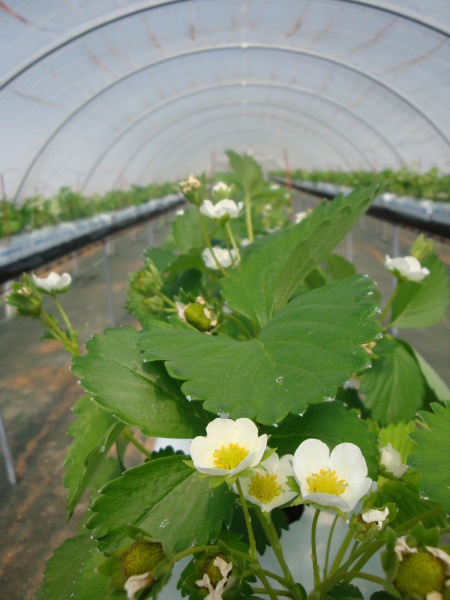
[(279, 380)]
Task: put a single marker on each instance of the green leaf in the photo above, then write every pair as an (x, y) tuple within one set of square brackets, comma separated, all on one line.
[(424, 303), (307, 350), (332, 424), (345, 591), (339, 267), (70, 573), (432, 379), (167, 499), (161, 257), (248, 171), (432, 457), (95, 431), (187, 232), (398, 436), (265, 282), (394, 387), (139, 394), (408, 503)]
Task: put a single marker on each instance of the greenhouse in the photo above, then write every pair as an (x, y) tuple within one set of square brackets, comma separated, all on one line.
[(224, 290)]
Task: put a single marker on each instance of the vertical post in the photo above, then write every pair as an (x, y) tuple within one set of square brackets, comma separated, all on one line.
[(349, 246), (5, 210), (75, 263), (395, 241), (7, 456), (8, 309), (109, 292), (150, 233), (395, 253)]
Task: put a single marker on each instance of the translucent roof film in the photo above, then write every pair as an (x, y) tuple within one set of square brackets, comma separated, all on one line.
[(109, 93)]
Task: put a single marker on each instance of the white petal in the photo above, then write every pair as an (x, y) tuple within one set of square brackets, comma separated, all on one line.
[(311, 456), (348, 462), (136, 583), (355, 491)]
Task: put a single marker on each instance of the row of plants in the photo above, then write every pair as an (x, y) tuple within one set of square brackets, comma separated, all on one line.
[(406, 181), (70, 205), (277, 359)]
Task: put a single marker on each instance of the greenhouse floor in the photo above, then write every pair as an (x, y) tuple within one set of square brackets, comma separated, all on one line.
[(37, 391)]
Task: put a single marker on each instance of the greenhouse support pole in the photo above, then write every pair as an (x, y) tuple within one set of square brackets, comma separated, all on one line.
[(395, 254), (7, 456), (150, 232), (349, 247), (395, 241), (109, 292), (8, 310)]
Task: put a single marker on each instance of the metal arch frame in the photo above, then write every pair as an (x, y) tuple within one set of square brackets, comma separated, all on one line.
[(188, 134), (294, 89), (223, 48), (174, 123), (131, 13), (180, 149)]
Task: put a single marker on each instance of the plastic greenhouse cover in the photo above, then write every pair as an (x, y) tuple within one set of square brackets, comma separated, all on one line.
[(107, 93)]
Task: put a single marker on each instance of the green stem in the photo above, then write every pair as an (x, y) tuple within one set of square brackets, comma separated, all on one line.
[(272, 536), (233, 241), (248, 217), (388, 306), (330, 537), (195, 550), (63, 314), (59, 334), (208, 243), (168, 300), (278, 578), (314, 548), (267, 587), (248, 520), (342, 550), (130, 437), (367, 576), (277, 592), (227, 244)]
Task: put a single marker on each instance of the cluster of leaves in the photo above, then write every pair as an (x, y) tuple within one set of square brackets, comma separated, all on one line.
[(406, 181), (70, 205), (290, 324)]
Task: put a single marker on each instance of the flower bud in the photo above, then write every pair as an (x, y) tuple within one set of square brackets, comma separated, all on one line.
[(26, 298), (154, 304), (148, 281), (191, 189)]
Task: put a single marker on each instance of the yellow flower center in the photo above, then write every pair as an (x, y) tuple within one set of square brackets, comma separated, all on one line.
[(264, 487), (229, 457), (326, 482)]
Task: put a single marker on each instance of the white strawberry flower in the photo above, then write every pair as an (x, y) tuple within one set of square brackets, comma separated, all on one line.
[(53, 283), (267, 487), (222, 211), (228, 448), (223, 256), (407, 267), (337, 479), (220, 186)]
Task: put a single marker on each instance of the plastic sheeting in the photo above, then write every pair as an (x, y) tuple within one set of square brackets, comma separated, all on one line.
[(107, 93)]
